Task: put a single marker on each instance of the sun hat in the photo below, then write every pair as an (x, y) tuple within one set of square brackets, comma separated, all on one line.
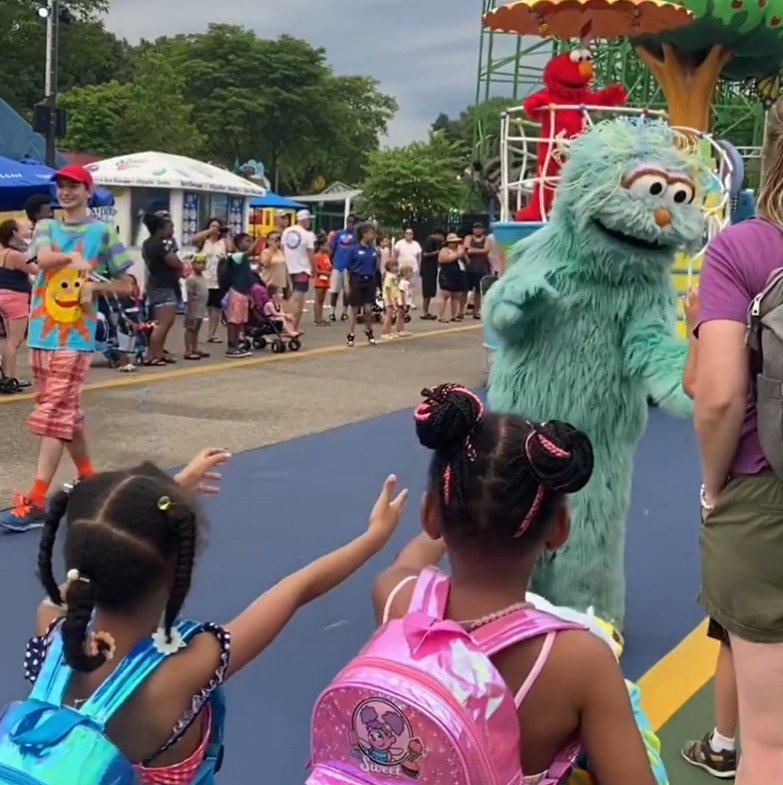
[(453, 238)]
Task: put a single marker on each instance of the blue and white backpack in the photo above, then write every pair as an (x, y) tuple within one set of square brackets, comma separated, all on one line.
[(43, 742)]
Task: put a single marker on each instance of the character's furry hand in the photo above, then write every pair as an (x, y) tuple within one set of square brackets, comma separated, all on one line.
[(514, 298), (612, 95)]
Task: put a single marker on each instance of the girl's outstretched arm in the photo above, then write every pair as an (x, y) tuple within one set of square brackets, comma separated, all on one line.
[(261, 622)]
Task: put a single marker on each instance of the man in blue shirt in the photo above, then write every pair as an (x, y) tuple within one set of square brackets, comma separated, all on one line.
[(339, 245), (361, 262)]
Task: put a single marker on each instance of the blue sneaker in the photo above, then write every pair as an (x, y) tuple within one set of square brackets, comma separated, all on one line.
[(22, 516)]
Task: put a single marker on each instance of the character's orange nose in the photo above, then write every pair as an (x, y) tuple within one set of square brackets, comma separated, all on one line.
[(662, 216), (586, 70)]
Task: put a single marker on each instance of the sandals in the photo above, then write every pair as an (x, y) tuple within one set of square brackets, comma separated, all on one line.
[(156, 363), (196, 356), (214, 340)]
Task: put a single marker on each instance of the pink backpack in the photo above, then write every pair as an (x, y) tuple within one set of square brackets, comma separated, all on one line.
[(422, 700)]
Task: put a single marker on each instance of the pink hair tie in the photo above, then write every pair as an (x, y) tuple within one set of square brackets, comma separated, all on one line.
[(447, 484), (531, 513)]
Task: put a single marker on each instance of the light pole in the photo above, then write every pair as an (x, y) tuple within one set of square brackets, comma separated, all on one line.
[(52, 14)]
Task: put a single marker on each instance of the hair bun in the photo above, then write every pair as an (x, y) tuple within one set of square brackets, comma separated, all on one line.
[(447, 416), (560, 456)]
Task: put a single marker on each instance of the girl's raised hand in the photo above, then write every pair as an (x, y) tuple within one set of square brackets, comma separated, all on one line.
[(200, 475), (386, 513), (691, 305)]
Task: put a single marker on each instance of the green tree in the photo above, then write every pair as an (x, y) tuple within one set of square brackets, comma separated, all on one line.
[(351, 129), (277, 101), (148, 113), (731, 39), (418, 179), (89, 54), (461, 130)]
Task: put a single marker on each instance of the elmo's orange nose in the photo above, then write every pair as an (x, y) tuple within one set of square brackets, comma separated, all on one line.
[(662, 216), (586, 70)]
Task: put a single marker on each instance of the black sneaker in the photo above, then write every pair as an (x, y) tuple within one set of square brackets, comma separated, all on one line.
[(351, 339), (235, 354), (344, 317), (370, 337), (719, 764), (332, 317)]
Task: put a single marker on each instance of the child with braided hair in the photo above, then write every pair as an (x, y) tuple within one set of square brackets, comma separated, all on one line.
[(496, 499), (131, 541)]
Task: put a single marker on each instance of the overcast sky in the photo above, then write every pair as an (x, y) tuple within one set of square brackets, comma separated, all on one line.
[(424, 52)]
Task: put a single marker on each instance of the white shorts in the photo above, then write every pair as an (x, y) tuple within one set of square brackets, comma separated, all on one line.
[(126, 343), (338, 282)]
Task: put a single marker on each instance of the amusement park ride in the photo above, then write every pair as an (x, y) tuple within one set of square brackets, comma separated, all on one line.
[(666, 56)]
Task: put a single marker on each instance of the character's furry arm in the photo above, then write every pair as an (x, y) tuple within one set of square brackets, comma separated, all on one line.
[(535, 105), (520, 295), (652, 351), (613, 95)]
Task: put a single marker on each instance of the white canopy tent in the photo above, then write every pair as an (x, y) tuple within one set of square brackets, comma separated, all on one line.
[(162, 170), (190, 190)]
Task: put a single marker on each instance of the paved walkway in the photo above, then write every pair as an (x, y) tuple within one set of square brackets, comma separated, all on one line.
[(333, 422)]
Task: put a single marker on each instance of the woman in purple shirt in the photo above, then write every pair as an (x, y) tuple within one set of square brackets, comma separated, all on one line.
[(741, 537)]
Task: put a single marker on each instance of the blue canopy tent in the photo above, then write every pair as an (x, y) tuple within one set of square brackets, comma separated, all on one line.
[(275, 201), (21, 179)]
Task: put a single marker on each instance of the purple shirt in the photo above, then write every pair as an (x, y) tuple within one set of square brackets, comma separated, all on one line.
[(737, 265)]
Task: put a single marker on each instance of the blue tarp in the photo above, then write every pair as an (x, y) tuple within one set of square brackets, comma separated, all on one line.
[(275, 200), (18, 140), (21, 179)]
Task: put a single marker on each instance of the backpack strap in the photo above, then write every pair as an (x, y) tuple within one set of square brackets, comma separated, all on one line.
[(518, 626), (53, 678), (430, 594), (134, 669), (213, 756), (101, 705)]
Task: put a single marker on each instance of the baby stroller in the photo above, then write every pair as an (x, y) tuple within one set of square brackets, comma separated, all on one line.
[(261, 331)]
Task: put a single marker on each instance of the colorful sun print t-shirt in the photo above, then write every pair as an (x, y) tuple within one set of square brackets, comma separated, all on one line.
[(58, 318)]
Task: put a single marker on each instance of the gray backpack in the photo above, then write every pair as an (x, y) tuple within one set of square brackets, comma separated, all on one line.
[(765, 336)]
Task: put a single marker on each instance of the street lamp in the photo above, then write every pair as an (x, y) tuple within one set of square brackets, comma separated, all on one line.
[(49, 119)]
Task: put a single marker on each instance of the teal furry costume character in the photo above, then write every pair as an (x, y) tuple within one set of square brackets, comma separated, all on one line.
[(585, 320)]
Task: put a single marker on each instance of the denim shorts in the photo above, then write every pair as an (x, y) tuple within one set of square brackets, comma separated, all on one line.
[(300, 282), (160, 297)]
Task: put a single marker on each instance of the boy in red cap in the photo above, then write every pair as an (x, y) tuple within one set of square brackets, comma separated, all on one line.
[(71, 253)]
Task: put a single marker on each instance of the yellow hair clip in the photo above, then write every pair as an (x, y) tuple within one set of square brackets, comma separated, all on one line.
[(164, 503)]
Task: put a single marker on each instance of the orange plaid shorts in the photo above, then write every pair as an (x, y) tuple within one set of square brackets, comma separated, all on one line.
[(58, 377)]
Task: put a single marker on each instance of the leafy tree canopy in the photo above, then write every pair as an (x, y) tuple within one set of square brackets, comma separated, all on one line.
[(225, 95), (278, 101), (418, 179), (147, 113)]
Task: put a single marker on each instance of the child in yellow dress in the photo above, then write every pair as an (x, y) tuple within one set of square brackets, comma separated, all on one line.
[(393, 310)]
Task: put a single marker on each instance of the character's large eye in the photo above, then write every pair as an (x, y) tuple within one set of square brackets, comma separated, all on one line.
[(680, 193), (648, 185), (575, 56), (585, 55)]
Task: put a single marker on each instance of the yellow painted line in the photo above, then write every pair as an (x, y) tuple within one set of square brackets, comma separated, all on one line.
[(678, 676), (230, 365)]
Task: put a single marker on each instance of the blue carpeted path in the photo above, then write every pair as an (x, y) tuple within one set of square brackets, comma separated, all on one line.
[(284, 505)]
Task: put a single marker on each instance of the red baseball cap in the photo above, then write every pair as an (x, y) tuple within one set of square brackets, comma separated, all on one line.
[(74, 172)]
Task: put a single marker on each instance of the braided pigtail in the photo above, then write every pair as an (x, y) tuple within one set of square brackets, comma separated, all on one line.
[(84, 653), (56, 510), (184, 525), (445, 422)]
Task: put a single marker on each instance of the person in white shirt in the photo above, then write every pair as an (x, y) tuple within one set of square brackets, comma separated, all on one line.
[(298, 244), (407, 253)]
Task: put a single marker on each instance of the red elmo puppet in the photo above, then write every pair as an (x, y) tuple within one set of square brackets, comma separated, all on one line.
[(567, 80)]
